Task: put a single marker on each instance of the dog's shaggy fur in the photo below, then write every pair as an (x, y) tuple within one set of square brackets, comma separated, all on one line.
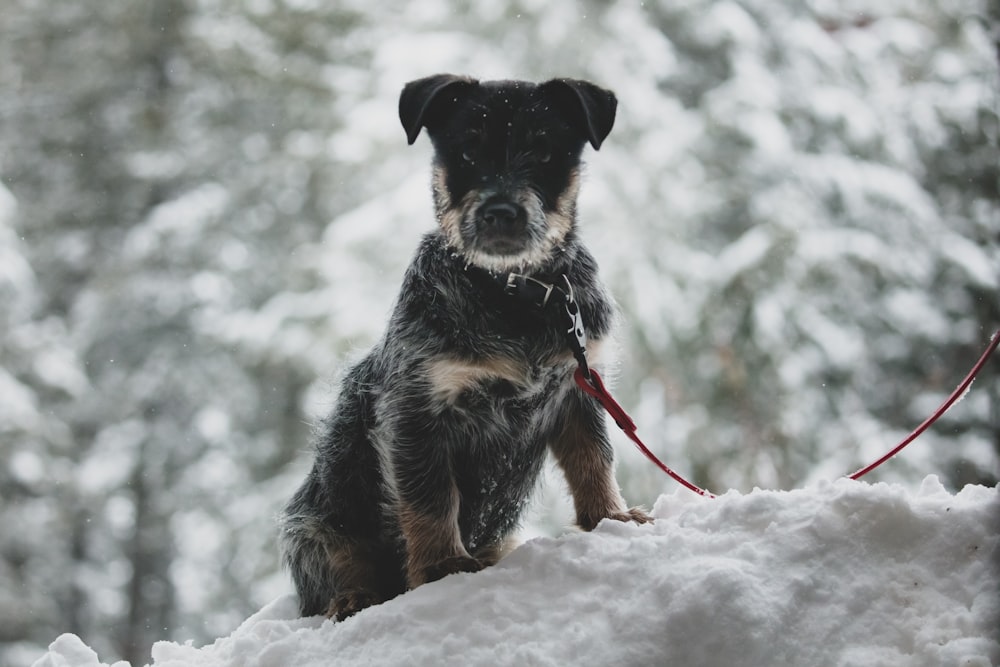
[(440, 432)]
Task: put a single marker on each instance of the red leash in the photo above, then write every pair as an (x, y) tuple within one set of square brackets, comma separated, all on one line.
[(955, 395), (595, 387), (541, 294)]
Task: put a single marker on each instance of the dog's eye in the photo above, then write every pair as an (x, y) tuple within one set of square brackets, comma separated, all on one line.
[(542, 148), (470, 147)]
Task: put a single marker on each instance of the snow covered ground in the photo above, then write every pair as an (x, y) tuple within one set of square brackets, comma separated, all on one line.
[(843, 573)]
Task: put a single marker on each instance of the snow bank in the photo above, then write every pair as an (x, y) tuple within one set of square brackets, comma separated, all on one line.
[(844, 573)]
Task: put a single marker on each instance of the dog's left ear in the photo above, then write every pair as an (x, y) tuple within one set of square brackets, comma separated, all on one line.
[(592, 107), (417, 101)]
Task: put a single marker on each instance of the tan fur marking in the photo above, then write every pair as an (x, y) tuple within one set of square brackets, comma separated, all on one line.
[(449, 216), (430, 540), (595, 355), (589, 475), (353, 564), (558, 224), (357, 575), (450, 220), (450, 377), (439, 189)]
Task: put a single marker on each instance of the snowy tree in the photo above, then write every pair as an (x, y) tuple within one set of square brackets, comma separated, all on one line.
[(837, 272), (797, 211), (168, 160)]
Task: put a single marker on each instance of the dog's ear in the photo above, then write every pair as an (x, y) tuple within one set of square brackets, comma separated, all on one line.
[(417, 101), (591, 107)]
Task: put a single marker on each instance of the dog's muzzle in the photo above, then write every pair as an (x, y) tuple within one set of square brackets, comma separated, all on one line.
[(501, 227)]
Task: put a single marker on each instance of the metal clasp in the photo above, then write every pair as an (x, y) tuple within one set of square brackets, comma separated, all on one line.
[(577, 332)]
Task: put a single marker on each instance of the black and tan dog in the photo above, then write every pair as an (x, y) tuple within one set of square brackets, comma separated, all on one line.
[(440, 432)]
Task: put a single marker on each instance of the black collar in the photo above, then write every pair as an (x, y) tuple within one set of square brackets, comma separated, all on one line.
[(542, 295)]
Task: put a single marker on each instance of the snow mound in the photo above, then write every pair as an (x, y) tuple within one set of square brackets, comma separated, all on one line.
[(844, 573)]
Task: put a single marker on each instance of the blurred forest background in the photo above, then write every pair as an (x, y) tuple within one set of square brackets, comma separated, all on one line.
[(206, 207)]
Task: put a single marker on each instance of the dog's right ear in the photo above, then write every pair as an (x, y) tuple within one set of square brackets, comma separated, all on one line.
[(592, 107), (417, 101)]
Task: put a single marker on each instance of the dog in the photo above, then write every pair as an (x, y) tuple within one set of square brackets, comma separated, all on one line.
[(439, 434)]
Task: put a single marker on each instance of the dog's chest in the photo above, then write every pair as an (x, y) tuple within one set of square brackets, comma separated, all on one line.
[(462, 383)]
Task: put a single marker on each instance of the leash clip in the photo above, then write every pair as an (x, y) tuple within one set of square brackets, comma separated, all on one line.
[(577, 332), (539, 294)]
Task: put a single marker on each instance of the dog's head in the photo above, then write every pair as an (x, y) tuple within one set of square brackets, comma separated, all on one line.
[(506, 163)]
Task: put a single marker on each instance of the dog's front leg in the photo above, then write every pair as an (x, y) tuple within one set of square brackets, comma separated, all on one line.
[(433, 546), (428, 501), (584, 453)]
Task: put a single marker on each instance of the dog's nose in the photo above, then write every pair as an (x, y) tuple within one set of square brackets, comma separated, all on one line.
[(500, 214)]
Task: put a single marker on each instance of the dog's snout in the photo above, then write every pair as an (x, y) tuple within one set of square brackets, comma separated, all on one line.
[(500, 227), (500, 214)]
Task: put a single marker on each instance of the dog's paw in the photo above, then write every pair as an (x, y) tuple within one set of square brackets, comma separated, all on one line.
[(451, 565), (349, 603), (636, 514)]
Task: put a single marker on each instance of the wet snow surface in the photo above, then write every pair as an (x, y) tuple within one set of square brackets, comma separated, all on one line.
[(842, 573)]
